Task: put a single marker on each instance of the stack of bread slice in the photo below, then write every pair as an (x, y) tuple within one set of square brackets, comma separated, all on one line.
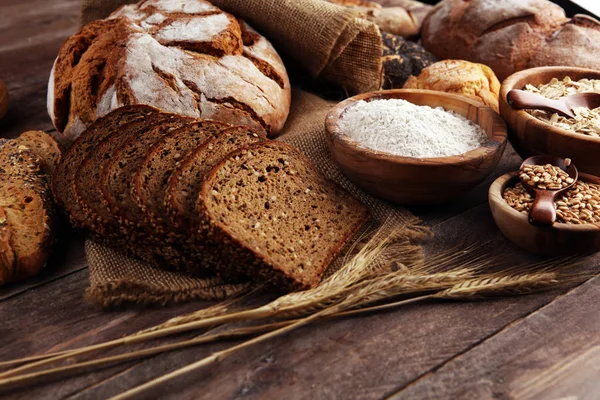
[(205, 197), (27, 212)]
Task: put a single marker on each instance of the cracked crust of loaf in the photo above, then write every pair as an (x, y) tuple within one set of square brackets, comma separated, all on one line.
[(511, 35), (476, 81), (239, 239), (185, 57)]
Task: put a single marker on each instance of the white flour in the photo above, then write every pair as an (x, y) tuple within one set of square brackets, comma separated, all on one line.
[(398, 127)]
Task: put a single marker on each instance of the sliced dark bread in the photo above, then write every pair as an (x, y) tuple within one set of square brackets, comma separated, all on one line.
[(28, 210), (151, 178), (45, 146), (275, 217), (65, 173), (89, 194), (117, 175), (186, 180)]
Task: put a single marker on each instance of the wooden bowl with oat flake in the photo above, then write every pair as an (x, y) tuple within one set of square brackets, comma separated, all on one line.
[(531, 136), (559, 239), (412, 180)]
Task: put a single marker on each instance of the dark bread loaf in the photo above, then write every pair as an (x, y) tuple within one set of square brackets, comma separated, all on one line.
[(275, 218), (511, 35), (186, 181), (45, 146), (64, 176), (401, 60), (150, 180), (18, 161)]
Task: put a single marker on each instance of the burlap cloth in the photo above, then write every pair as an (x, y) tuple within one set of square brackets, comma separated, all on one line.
[(331, 44)]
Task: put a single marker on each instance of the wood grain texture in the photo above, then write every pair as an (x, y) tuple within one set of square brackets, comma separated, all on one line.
[(552, 354), (531, 136), (31, 32), (407, 180)]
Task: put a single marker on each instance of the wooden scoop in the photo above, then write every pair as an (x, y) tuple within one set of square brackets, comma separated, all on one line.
[(542, 211), (520, 99)]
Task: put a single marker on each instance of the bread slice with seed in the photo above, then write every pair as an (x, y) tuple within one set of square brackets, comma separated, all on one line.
[(45, 146), (275, 217), (89, 194), (66, 172), (186, 181), (117, 176), (28, 211), (151, 178)]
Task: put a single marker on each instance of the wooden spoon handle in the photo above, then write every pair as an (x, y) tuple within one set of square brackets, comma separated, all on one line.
[(542, 211), (520, 99)]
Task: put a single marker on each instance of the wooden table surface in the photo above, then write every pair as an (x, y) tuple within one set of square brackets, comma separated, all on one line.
[(544, 346)]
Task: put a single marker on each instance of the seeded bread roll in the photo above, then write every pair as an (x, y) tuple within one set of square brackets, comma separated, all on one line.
[(27, 214), (45, 146), (28, 211), (181, 56), (511, 35), (275, 218), (18, 161), (476, 81)]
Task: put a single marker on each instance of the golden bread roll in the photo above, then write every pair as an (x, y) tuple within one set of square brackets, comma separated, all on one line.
[(476, 81)]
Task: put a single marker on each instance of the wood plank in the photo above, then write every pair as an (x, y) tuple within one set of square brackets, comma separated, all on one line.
[(31, 32), (68, 257), (55, 317), (365, 358), (554, 353)]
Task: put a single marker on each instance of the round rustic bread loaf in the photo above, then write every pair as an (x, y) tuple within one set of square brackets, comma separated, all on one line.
[(476, 81), (403, 20), (511, 35), (182, 56)]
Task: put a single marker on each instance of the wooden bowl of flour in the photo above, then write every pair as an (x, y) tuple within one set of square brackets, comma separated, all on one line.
[(408, 180)]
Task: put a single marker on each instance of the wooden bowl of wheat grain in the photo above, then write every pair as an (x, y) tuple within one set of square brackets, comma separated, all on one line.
[(408, 180), (533, 137), (556, 240)]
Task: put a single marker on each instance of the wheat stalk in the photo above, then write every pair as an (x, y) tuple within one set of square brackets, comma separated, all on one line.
[(361, 266), (236, 333), (381, 289)]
